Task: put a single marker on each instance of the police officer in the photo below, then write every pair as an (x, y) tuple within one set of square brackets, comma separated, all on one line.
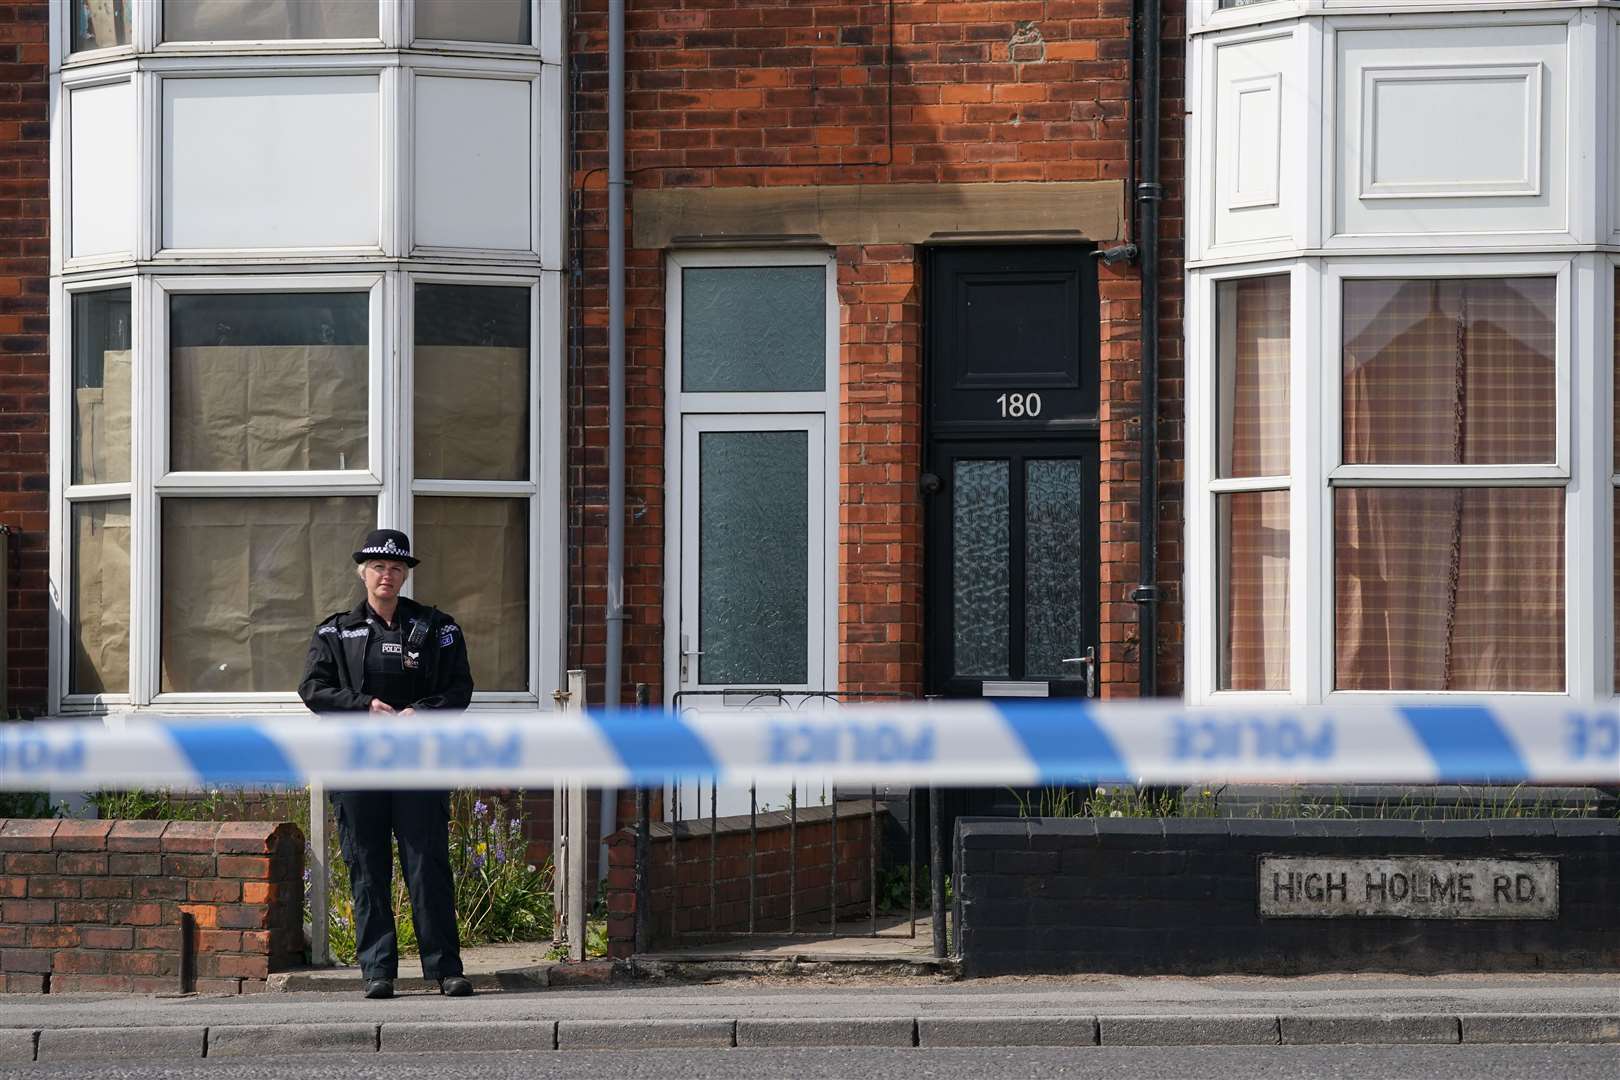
[(391, 656)]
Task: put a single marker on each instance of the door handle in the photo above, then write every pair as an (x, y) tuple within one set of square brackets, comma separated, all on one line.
[(687, 652), (1090, 660)]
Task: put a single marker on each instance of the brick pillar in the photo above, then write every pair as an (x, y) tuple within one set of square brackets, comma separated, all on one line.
[(880, 539)]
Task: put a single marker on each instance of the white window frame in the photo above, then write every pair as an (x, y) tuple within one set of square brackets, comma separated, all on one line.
[(1570, 342), (1204, 582), (541, 490), (767, 411)]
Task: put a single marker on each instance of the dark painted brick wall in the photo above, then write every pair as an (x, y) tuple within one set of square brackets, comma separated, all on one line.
[(1179, 896)]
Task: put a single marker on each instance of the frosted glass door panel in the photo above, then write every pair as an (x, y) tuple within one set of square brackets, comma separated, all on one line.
[(274, 162), (1055, 569), (268, 20), (981, 567), (753, 555), (754, 328)]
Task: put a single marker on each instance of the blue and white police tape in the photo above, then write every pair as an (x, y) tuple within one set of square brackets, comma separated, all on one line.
[(981, 743)]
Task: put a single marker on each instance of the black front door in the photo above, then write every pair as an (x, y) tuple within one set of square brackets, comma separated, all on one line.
[(1011, 471)]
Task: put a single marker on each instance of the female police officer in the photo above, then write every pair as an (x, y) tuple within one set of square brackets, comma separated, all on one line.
[(393, 656)]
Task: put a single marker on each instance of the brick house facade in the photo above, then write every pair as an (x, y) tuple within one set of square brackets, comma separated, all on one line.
[(896, 98)]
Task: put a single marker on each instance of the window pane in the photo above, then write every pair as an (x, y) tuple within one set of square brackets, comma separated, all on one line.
[(267, 20), (100, 24), (472, 383), (1449, 588), (271, 381), (245, 581), (1252, 377), (101, 401), (473, 20), (754, 557), (100, 620), (1054, 568), (1443, 372), (1252, 553), (981, 558), (754, 328), (475, 565)]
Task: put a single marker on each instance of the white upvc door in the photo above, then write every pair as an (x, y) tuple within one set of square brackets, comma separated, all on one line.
[(753, 553)]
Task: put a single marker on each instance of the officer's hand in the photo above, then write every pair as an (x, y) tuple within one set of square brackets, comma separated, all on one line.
[(378, 705), (407, 711)]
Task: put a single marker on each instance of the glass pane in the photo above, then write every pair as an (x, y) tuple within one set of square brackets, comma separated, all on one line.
[(101, 401), (246, 580), (981, 557), (472, 382), (268, 381), (754, 557), (100, 620), (754, 328), (473, 20), (268, 20), (1440, 372), (1252, 376), (1449, 588), (1054, 568), (475, 565), (100, 24), (1252, 593)]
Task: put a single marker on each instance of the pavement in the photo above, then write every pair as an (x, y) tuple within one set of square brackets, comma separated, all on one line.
[(792, 1013)]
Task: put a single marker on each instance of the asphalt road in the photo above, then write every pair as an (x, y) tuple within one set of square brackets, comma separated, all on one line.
[(1103, 1063)]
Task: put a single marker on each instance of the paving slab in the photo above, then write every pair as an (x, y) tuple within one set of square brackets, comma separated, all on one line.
[(826, 1031), (430, 1038), (16, 1045), (1530, 1028), (644, 1034), (275, 1040), (1384, 1030), (118, 1043), (938, 1031), (1188, 1031)]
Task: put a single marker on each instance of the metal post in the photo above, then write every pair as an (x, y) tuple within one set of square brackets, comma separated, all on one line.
[(320, 879), (936, 867), (578, 837)]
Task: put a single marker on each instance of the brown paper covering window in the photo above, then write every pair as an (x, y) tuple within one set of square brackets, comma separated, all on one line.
[(245, 581), (101, 424), (472, 412), (100, 621), (475, 565), (267, 407)]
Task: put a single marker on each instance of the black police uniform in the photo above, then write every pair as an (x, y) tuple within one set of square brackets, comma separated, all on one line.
[(419, 662)]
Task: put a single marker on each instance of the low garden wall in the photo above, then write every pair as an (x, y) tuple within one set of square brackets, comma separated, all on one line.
[(99, 905), (1283, 897), (680, 880)]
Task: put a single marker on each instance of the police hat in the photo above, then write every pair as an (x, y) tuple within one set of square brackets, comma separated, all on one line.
[(386, 544)]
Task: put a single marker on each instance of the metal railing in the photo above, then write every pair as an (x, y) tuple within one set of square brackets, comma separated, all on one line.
[(681, 832)]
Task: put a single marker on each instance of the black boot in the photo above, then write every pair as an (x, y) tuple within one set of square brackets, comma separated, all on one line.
[(379, 988), (455, 986)]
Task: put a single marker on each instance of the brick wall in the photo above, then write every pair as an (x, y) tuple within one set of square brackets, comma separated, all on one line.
[(1181, 896), (97, 905), (760, 93), (789, 862), (24, 359)]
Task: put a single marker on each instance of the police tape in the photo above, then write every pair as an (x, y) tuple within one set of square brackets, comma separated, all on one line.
[(979, 743)]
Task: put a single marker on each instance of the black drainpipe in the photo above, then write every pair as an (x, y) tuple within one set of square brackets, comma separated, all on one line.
[(1149, 193)]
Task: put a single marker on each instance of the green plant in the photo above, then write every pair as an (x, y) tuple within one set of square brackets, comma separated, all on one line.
[(1114, 802), (27, 804), (500, 896)]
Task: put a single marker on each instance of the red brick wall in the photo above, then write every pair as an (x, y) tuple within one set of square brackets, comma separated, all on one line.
[(97, 905), (24, 360), (679, 888), (754, 93)]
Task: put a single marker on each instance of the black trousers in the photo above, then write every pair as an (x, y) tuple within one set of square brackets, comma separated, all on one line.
[(367, 822)]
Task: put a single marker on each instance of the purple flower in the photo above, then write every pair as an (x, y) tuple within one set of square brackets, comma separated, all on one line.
[(500, 855), (480, 808), (514, 826), (478, 862)]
